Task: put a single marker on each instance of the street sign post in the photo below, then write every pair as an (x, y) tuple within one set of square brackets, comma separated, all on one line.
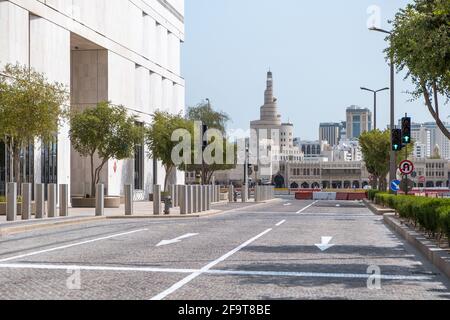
[(406, 168), (395, 185)]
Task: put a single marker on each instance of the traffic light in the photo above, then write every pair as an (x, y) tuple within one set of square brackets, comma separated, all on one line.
[(397, 144), (406, 130)]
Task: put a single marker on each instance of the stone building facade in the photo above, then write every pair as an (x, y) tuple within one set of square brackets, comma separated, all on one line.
[(123, 51)]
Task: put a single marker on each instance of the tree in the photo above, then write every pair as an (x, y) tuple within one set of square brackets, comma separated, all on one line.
[(420, 43), (376, 147), (104, 130), (158, 138), (204, 113), (31, 107)]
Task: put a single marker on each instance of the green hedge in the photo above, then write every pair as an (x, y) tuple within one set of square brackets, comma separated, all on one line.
[(431, 214), (372, 194)]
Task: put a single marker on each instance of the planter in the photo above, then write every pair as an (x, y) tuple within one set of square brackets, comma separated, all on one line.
[(110, 202), (19, 209)]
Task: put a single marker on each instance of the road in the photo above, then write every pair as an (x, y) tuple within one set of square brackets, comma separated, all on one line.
[(257, 252)]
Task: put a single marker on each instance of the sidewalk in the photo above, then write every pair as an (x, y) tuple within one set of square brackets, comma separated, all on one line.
[(142, 210)]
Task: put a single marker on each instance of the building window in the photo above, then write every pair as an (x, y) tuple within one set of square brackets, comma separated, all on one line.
[(49, 163), (139, 165), (3, 161)]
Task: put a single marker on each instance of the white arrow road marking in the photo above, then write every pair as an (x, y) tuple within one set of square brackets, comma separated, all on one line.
[(176, 240), (287, 204), (325, 245)]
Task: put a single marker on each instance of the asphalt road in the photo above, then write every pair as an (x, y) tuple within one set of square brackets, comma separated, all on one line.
[(260, 252)]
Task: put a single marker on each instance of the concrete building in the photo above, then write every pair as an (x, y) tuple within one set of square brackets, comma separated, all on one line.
[(422, 138), (359, 120), (271, 131), (330, 132), (336, 175), (434, 172), (123, 51)]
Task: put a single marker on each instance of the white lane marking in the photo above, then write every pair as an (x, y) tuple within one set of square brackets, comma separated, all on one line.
[(280, 223), (176, 240), (211, 272), (91, 268), (287, 204), (71, 245), (206, 268), (306, 208), (315, 275)]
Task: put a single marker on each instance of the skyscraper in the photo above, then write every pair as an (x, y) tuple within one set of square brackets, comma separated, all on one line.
[(330, 132), (359, 120)]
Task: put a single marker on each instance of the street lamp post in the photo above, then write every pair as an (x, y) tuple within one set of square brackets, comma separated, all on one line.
[(393, 161), (374, 104)]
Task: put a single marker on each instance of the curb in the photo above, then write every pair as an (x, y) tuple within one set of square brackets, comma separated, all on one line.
[(440, 258), (5, 231), (375, 210)]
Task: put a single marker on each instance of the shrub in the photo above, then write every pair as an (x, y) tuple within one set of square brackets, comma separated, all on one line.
[(372, 194), (444, 221), (2, 199)]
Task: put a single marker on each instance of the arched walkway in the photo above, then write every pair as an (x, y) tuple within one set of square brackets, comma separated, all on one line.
[(315, 185), (356, 184), (305, 185), (294, 185)]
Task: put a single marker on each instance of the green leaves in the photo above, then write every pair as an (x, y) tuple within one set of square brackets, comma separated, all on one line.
[(420, 44), (375, 146), (206, 114), (105, 129), (30, 106)]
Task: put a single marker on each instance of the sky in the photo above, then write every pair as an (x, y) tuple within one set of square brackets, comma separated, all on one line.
[(321, 53)]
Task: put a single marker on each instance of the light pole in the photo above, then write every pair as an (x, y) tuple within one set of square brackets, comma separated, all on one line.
[(393, 161), (374, 104)]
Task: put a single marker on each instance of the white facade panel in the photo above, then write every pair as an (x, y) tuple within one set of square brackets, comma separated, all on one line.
[(14, 35)]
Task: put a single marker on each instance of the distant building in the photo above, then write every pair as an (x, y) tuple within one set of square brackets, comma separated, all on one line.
[(359, 120), (271, 131), (330, 132), (422, 138)]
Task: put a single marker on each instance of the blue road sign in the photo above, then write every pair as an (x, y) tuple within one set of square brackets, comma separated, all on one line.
[(395, 185)]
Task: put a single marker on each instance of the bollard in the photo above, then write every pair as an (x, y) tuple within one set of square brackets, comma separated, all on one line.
[(231, 193), (129, 205), (100, 201), (190, 202), (173, 193), (218, 194), (257, 194), (178, 195), (64, 200), (183, 200), (209, 192), (40, 201), (156, 200), (194, 199), (51, 200), (26, 201), (244, 193), (11, 207), (200, 199), (205, 198)]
